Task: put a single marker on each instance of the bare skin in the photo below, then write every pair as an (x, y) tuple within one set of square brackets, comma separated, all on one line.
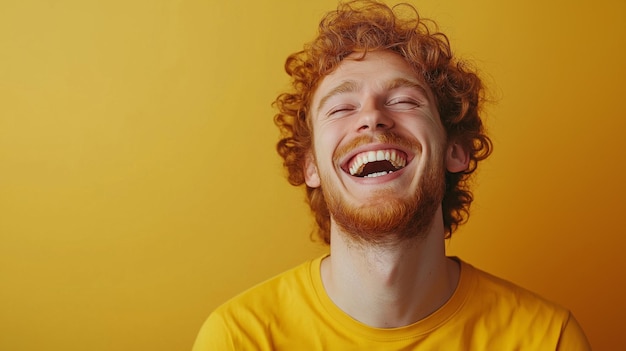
[(391, 286)]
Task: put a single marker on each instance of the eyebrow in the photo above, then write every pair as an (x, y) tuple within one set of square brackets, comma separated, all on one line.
[(351, 86), (348, 86), (407, 83)]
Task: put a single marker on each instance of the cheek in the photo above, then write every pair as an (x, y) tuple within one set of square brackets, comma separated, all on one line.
[(430, 130), (326, 139)]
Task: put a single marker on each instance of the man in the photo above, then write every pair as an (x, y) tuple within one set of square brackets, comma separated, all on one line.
[(383, 127)]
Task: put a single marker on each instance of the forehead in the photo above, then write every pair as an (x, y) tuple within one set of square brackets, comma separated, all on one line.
[(383, 60), (378, 69)]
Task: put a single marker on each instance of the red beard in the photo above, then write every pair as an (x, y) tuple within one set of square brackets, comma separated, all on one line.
[(389, 217)]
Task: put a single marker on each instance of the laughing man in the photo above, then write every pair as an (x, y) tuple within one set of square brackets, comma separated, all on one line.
[(383, 126)]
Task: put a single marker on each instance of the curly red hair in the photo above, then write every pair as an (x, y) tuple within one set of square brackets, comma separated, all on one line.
[(366, 26)]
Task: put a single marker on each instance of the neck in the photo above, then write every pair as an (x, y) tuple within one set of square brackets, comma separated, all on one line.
[(391, 285)]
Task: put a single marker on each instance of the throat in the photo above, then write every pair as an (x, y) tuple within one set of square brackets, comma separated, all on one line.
[(388, 288)]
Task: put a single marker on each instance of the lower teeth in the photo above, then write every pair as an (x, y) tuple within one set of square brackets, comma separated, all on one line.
[(378, 174)]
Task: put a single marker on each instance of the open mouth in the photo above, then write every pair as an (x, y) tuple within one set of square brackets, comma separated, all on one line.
[(378, 163)]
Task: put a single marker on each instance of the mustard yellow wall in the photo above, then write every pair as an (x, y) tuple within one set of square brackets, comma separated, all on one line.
[(139, 187)]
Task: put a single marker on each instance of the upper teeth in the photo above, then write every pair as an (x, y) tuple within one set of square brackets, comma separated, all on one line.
[(395, 158)]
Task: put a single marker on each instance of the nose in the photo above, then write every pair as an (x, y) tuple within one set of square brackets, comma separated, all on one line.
[(374, 118)]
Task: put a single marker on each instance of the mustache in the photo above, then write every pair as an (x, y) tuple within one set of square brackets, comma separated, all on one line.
[(387, 137)]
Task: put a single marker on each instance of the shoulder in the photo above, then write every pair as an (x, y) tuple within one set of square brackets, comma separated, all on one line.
[(509, 310), (495, 290), (244, 321), (270, 295)]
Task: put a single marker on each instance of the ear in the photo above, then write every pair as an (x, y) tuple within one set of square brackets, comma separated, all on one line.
[(311, 177), (457, 158)]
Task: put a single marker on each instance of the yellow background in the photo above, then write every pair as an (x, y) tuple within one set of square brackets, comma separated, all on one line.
[(139, 187)]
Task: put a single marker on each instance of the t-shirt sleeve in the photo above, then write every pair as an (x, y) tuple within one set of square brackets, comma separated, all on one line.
[(214, 335), (573, 337)]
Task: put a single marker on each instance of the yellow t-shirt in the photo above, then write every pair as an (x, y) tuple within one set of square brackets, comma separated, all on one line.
[(292, 312)]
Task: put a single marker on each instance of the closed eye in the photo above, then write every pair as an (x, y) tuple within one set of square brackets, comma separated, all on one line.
[(340, 109), (403, 103)]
